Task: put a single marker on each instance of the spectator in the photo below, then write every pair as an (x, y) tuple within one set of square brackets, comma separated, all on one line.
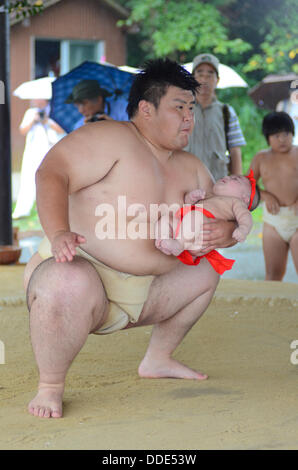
[(290, 106), (217, 136), (90, 99), (41, 134)]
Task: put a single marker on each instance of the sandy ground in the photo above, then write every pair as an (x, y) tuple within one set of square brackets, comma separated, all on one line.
[(243, 342)]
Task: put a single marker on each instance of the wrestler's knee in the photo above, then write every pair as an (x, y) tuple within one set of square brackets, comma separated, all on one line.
[(63, 283), (208, 278)]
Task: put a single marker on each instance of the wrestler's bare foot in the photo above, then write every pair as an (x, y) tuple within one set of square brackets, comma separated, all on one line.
[(169, 368), (48, 401)]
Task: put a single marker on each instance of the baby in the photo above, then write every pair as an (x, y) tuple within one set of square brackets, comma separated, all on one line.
[(231, 199)]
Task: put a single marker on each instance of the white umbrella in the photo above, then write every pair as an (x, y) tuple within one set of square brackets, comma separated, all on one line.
[(227, 76), (41, 89)]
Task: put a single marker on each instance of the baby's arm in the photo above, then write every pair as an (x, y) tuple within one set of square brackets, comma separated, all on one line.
[(194, 196), (243, 218)]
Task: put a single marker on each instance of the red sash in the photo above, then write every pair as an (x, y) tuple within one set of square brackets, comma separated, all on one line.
[(219, 263)]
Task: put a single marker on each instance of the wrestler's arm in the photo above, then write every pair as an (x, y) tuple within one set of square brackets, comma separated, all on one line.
[(217, 233), (270, 200), (72, 164)]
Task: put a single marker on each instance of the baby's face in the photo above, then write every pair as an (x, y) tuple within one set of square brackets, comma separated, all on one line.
[(233, 185)]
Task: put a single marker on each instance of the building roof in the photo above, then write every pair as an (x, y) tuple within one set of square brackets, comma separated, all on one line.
[(48, 3)]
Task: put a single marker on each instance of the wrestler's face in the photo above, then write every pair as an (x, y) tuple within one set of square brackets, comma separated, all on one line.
[(281, 141), (173, 120), (235, 186)]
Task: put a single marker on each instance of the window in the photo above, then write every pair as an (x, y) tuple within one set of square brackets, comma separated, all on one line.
[(47, 58), (56, 57)]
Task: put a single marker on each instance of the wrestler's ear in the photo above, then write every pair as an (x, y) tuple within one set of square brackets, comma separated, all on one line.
[(145, 109)]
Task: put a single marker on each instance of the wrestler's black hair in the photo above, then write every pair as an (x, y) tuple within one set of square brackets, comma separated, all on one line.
[(277, 121), (256, 200), (152, 83)]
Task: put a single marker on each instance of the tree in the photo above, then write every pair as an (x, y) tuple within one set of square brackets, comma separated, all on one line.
[(256, 36), (271, 28), (180, 28), (25, 8)]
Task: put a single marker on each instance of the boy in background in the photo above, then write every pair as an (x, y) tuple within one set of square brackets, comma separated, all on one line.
[(278, 169)]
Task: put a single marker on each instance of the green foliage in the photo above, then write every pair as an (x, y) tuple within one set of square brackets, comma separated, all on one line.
[(171, 27), (25, 8), (250, 119), (258, 36), (29, 223), (279, 47)]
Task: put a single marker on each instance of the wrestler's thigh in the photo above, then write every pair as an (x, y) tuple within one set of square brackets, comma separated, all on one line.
[(275, 252), (294, 249), (172, 291), (30, 267), (76, 281)]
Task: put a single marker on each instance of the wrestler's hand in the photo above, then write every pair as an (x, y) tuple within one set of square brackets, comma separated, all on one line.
[(64, 245), (194, 196), (271, 202), (217, 233)]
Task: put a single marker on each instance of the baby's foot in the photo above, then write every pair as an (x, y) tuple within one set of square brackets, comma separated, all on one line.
[(169, 247)]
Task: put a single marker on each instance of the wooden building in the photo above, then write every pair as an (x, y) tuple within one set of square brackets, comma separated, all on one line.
[(65, 34)]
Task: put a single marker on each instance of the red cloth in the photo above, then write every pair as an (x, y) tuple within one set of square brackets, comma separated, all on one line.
[(219, 263), (253, 183)]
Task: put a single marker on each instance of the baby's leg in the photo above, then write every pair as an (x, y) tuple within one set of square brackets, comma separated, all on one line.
[(190, 231), (189, 235), (164, 237)]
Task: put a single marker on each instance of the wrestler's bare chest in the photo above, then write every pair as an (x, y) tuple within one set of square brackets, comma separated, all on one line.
[(111, 205), (140, 179)]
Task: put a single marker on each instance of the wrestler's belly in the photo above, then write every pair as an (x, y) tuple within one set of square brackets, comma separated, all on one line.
[(138, 256)]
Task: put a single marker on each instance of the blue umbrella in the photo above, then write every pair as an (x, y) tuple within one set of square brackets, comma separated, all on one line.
[(114, 80)]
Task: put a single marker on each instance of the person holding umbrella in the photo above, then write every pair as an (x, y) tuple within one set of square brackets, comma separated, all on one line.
[(217, 137), (90, 99), (41, 134)]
